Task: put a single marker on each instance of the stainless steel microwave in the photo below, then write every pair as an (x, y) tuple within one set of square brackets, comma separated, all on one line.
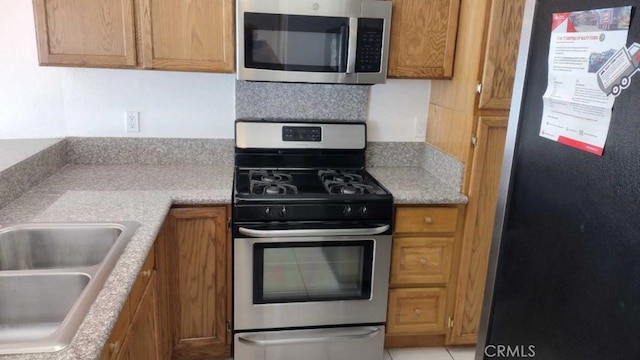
[(315, 41)]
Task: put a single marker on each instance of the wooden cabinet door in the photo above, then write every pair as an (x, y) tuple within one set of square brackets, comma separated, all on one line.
[(113, 347), (501, 54), (195, 256), (190, 35), (141, 342), (483, 194), (423, 38), (85, 33)]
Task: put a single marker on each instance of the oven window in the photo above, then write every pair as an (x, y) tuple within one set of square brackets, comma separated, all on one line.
[(295, 42), (317, 271)]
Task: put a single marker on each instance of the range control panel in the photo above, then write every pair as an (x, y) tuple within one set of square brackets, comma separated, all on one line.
[(302, 133)]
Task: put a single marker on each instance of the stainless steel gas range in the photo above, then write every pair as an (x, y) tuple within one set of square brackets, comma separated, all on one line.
[(311, 243)]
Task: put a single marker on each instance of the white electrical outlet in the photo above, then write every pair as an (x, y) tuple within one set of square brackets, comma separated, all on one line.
[(132, 123), (420, 127)]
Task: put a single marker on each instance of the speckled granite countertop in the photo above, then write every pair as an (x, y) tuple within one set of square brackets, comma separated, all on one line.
[(144, 193), (415, 185)]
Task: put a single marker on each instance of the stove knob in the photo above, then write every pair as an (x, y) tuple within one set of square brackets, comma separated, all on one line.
[(283, 212), (267, 211), (364, 211), (347, 210)]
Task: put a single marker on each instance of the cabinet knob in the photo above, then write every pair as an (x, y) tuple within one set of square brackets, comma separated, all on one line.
[(428, 220), (417, 311), (114, 348), (146, 274), (423, 261)]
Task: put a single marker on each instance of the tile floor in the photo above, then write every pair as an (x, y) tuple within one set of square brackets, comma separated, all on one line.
[(432, 353)]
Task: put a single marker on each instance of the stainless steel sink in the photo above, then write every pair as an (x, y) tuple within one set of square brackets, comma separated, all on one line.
[(50, 275), (55, 246)]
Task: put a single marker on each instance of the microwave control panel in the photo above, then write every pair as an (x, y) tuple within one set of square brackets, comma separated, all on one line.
[(369, 54)]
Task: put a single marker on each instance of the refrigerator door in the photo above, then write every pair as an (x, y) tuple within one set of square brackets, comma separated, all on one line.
[(564, 273)]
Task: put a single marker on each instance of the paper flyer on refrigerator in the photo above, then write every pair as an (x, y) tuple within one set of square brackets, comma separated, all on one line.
[(577, 111)]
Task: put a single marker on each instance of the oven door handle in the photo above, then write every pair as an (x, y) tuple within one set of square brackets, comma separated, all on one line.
[(287, 339), (312, 232)]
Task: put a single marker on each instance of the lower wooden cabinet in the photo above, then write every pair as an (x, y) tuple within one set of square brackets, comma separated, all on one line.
[(141, 342), (135, 334), (193, 268), (180, 306), (426, 246), (478, 228), (421, 260), (417, 310)]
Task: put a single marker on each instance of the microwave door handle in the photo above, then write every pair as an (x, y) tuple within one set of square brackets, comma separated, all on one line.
[(312, 232), (342, 48), (353, 45)]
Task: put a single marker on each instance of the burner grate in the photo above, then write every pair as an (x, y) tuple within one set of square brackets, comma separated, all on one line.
[(270, 176), (342, 188), (269, 182), (340, 176)]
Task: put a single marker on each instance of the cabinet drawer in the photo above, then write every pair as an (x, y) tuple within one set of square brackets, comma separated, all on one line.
[(421, 260), (425, 219), (141, 282), (416, 311)]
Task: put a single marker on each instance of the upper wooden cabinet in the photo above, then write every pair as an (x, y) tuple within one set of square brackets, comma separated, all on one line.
[(85, 33), (186, 35), (486, 56), (501, 54), (423, 38)]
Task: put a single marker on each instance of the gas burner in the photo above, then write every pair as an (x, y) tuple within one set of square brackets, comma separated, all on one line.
[(341, 188), (339, 176), (266, 188), (270, 176)]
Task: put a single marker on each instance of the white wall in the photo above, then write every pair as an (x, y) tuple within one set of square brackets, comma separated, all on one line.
[(39, 102), (394, 108), (30, 96), (171, 104)]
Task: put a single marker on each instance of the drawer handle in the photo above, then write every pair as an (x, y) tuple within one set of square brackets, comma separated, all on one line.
[(428, 220), (114, 348), (146, 274), (417, 311), (423, 261)]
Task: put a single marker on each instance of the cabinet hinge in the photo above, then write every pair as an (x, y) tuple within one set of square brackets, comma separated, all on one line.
[(228, 326), (229, 223), (450, 322), (479, 87), (474, 141)]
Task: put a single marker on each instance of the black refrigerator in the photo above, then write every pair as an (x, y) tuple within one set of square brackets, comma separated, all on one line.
[(564, 271)]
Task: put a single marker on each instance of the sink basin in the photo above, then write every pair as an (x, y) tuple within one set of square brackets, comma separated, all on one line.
[(50, 275), (34, 306), (55, 246)]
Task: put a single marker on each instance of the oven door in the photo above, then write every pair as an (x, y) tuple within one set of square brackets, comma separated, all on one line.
[(310, 277)]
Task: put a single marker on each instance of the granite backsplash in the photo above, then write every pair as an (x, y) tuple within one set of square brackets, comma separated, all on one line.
[(326, 102)]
